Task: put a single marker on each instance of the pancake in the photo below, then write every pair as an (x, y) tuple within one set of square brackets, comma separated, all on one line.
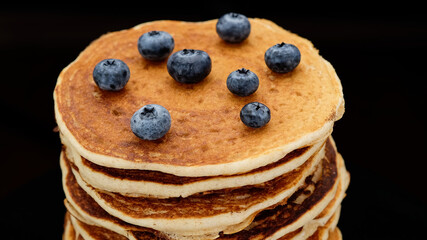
[(69, 232), (163, 185), (200, 212), (320, 232), (323, 222), (264, 222), (207, 137), (210, 176), (325, 198), (324, 231), (92, 232), (294, 215), (335, 234)]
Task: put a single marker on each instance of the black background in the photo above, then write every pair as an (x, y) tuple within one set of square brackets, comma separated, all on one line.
[(379, 52)]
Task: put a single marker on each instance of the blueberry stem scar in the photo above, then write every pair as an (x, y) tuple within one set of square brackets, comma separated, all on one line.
[(243, 70)]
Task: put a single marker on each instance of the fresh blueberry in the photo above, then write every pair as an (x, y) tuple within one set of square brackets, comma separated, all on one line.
[(111, 74), (233, 27), (255, 115), (155, 45), (151, 122), (282, 58), (242, 82), (189, 65)]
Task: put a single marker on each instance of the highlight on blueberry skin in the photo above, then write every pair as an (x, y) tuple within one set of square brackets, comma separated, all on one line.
[(255, 115), (242, 82), (189, 65), (233, 27), (111, 74), (282, 58), (155, 45), (151, 122)]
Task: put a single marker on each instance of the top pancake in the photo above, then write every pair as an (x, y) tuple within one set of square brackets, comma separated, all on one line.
[(207, 137)]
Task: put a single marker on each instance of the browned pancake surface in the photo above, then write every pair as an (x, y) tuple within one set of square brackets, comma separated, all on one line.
[(165, 178), (201, 205), (266, 222), (206, 128), (99, 233), (270, 221), (69, 232)]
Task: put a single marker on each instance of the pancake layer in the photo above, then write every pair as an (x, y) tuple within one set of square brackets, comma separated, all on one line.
[(304, 104), (133, 182), (315, 200), (210, 177), (261, 228)]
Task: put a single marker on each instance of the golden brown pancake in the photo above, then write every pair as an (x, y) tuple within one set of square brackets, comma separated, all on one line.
[(69, 232), (335, 234), (207, 138), (318, 232), (210, 176), (211, 203), (324, 231), (133, 182), (229, 205), (91, 232), (165, 178), (267, 222)]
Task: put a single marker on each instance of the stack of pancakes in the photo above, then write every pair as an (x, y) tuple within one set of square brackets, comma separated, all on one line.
[(210, 176)]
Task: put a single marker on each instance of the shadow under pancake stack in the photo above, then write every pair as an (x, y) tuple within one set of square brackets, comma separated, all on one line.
[(210, 176)]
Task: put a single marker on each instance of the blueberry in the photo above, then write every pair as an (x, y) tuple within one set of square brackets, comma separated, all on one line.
[(155, 45), (242, 82), (282, 58), (151, 122), (233, 27), (189, 65), (255, 115), (111, 74)]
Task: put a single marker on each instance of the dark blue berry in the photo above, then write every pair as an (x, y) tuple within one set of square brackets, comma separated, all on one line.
[(255, 115), (111, 74), (155, 45), (189, 65), (151, 122), (282, 58), (233, 27), (242, 82)]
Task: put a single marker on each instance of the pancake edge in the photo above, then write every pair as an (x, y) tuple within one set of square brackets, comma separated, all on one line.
[(161, 190)]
